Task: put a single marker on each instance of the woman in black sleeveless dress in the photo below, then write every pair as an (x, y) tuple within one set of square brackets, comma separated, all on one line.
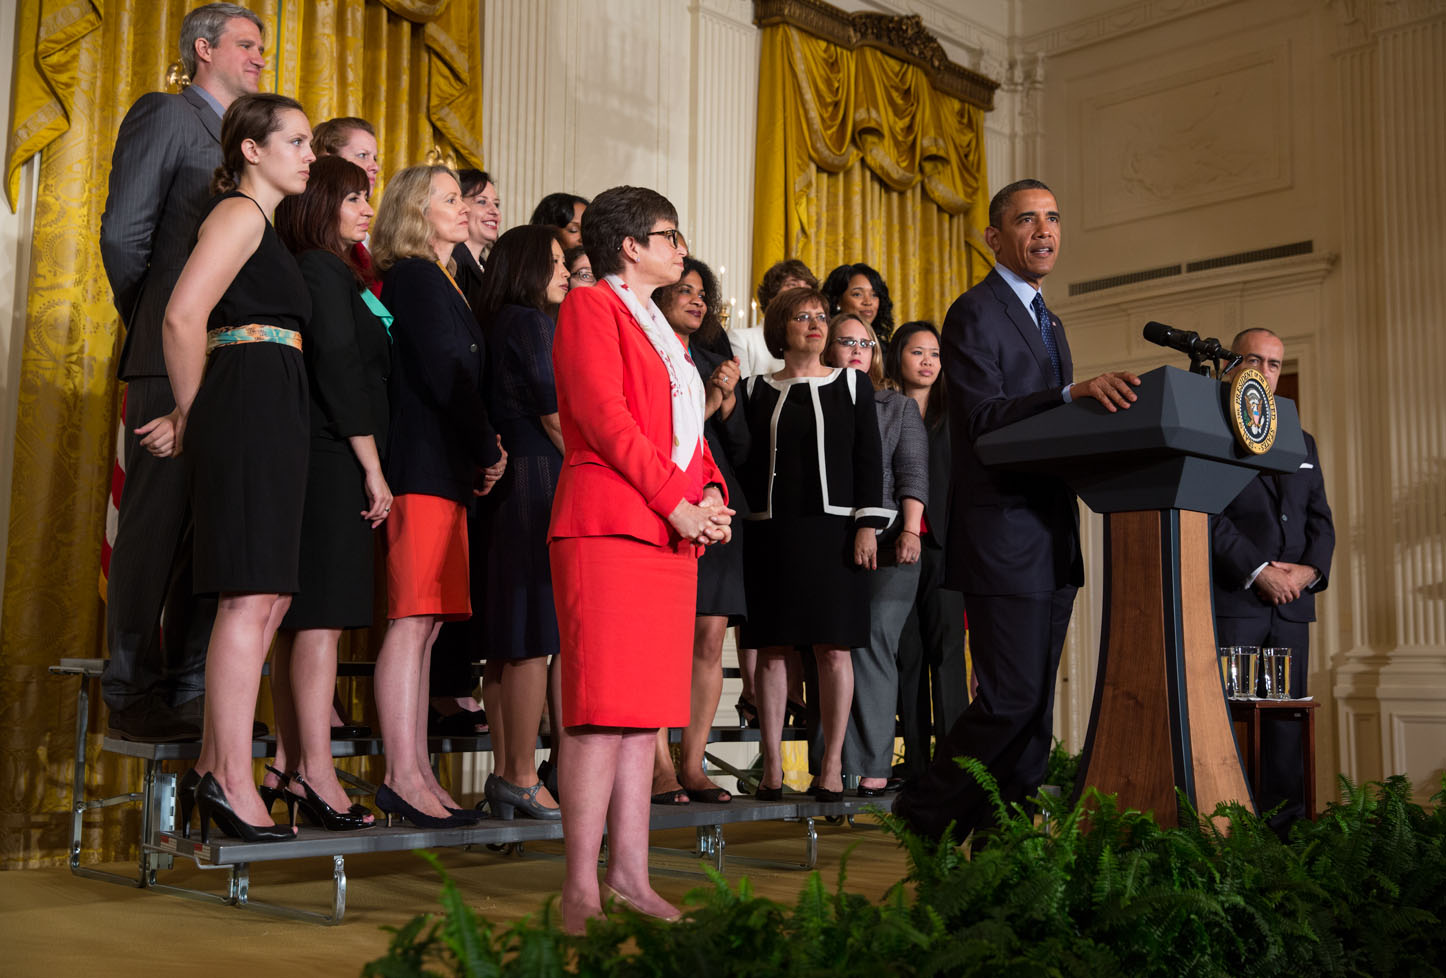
[(232, 342)]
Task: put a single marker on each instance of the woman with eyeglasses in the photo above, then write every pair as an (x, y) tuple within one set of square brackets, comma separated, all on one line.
[(859, 290), (688, 307), (579, 268), (933, 678), (893, 558), (638, 496), (814, 480)]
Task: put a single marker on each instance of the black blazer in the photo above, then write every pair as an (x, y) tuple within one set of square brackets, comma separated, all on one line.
[(848, 449), (936, 513), (1275, 517), (728, 438), (348, 356), (160, 174), (468, 274), (1009, 532), (440, 435)]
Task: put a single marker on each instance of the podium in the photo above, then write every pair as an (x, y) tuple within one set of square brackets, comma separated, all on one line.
[(1156, 472)]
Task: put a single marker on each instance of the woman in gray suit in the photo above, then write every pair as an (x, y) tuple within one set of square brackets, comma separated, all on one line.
[(869, 740)]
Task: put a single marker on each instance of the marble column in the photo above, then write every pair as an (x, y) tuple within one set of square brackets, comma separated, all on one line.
[(1391, 684)]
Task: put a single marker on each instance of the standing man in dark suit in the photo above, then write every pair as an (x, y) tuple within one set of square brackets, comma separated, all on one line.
[(1013, 545), (165, 152), (1271, 550)]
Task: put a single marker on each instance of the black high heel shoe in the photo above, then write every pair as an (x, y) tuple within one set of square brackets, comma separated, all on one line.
[(186, 799), (747, 714), (393, 804), (319, 813), (270, 796), (212, 805)]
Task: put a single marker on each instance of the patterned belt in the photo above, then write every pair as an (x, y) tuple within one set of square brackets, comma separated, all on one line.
[(252, 333)]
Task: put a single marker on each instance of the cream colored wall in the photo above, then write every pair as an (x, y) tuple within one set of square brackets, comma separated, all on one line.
[(1178, 132)]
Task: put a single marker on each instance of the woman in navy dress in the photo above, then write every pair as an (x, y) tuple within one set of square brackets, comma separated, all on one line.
[(525, 276), (232, 340)]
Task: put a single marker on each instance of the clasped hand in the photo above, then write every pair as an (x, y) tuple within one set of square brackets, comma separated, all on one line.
[(162, 436), (706, 523)]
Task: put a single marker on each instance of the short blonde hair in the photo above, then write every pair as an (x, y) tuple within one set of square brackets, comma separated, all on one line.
[(401, 229), (876, 362)]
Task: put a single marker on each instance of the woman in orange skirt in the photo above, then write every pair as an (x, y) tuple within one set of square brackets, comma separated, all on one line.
[(443, 451), (638, 497)]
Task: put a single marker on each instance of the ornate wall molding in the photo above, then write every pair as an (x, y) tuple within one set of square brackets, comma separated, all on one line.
[(905, 38), (1114, 24)]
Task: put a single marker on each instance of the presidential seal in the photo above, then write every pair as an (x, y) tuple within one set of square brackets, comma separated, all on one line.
[(1252, 411)]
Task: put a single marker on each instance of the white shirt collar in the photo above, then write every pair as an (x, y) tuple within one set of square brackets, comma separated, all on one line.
[(1021, 288)]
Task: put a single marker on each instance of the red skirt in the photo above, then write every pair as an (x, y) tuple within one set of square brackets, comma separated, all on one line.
[(427, 569), (625, 612)]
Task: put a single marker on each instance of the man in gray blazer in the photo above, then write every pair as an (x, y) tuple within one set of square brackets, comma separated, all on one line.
[(165, 153)]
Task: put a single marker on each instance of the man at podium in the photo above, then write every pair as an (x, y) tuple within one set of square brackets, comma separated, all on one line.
[(1271, 550), (1013, 546)]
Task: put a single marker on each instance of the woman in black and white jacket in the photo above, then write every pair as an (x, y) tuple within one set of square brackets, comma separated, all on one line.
[(869, 744), (814, 481)]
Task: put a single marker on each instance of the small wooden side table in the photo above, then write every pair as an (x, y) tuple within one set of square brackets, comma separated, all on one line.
[(1245, 718)]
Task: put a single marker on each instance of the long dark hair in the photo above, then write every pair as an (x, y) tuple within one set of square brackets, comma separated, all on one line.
[(937, 406), (518, 271), (308, 221), (710, 333), (555, 210), (255, 117), (837, 284)]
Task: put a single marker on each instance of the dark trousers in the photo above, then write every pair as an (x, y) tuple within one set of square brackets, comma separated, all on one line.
[(933, 680), (1016, 640), (1281, 776), (151, 655), (461, 643)]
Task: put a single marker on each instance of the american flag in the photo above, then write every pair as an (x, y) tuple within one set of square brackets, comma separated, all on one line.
[(112, 507)]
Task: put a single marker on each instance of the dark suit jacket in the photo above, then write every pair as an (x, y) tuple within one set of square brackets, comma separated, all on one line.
[(348, 356), (440, 434), (165, 153), (1009, 532), (1275, 517), (728, 438)]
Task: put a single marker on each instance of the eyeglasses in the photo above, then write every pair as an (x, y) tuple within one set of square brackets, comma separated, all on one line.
[(816, 317), (583, 275), (850, 343), (674, 236)]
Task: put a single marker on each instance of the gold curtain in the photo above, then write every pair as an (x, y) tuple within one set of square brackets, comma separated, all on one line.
[(411, 67), (860, 159)]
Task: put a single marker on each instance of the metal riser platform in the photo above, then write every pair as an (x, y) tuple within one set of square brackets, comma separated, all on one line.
[(161, 842)]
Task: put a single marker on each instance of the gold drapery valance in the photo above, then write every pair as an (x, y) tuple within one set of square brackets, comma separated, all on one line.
[(822, 109), (335, 59), (410, 67)]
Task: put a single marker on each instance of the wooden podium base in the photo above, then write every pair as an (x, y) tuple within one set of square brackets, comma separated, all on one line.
[(1160, 719)]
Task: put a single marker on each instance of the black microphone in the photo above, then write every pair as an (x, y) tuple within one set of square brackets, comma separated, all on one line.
[(1186, 342)]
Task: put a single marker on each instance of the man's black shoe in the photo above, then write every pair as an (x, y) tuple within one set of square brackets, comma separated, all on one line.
[(147, 722)]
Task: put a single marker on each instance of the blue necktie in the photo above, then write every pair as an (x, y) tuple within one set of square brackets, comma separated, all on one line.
[(1046, 333)]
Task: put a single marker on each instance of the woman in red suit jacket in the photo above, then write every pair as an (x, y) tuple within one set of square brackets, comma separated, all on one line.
[(639, 493)]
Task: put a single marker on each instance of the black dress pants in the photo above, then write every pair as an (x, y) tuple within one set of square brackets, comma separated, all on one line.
[(933, 679), (153, 655), (1016, 642)]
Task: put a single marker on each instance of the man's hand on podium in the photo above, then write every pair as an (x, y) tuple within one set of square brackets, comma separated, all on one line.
[(1111, 389)]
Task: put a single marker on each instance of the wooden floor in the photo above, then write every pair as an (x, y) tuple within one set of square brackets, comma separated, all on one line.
[(53, 924)]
